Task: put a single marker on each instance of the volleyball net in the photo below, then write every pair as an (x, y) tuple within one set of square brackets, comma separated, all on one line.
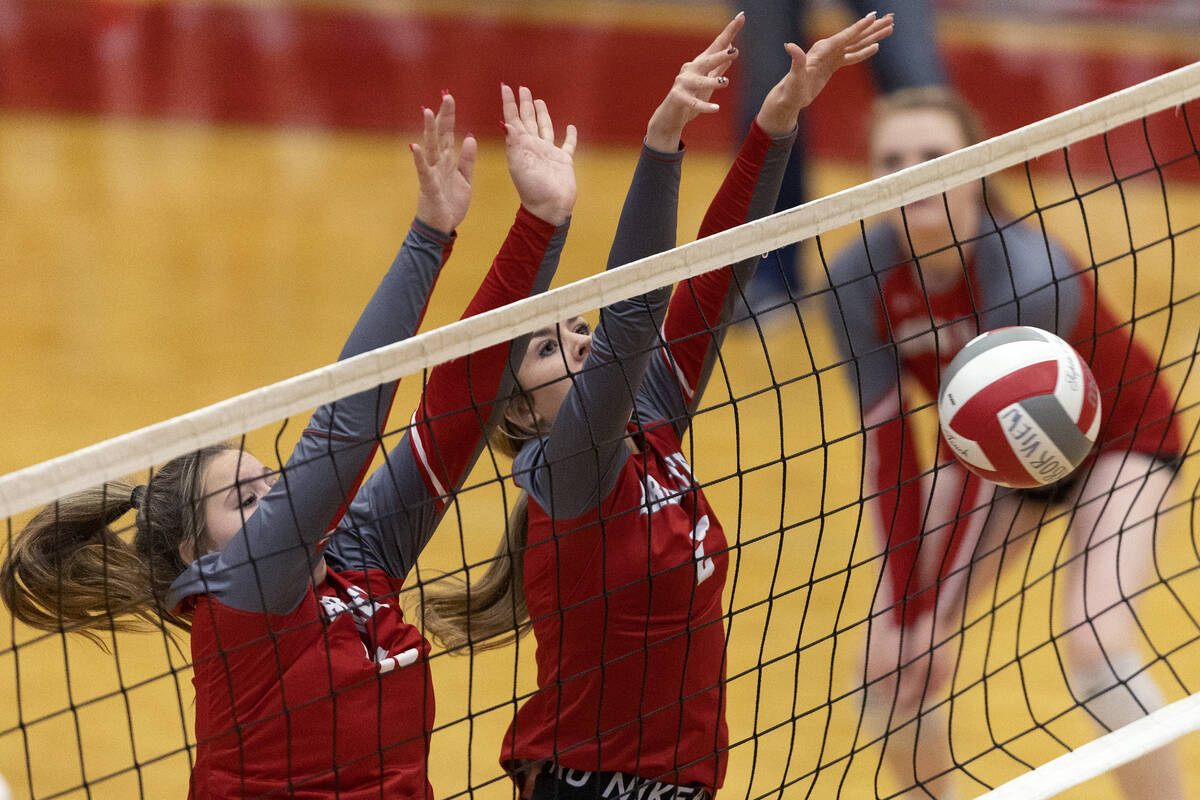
[(783, 454)]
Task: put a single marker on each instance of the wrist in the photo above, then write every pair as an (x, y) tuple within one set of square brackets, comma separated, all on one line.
[(554, 213), (662, 134), (443, 225)]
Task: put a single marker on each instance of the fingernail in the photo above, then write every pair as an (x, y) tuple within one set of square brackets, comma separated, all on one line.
[(423, 109), (412, 147), (739, 14), (445, 92), (469, 136), (872, 14), (731, 51)]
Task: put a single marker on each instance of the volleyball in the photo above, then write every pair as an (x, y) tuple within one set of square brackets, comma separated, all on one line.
[(1019, 407)]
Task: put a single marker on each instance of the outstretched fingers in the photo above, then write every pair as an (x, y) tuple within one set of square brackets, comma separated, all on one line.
[(445, 123), (860, 40), (508, 105), (544, 124), (526, 111), (466, 157), (568, 145), (725, 38), (428, 149)]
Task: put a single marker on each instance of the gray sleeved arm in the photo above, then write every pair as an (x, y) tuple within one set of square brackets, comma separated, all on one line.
[(701, 307), (266, 566), (854, 304), (397, 510), (1028, 279), (577, 464)]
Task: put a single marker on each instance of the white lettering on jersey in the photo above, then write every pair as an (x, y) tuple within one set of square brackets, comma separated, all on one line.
[(385, 663), (655, 496), (704, 566), (333, 606), (361, 606), (680, 469)]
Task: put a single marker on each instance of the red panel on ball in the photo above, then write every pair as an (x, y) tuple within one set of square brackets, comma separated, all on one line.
[(972, 419)]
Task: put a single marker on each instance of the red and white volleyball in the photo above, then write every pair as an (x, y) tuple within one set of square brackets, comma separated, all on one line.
[(1019, 407)]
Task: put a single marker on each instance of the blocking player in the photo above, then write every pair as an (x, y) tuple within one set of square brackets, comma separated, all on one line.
[(618, 557), (309, 681)]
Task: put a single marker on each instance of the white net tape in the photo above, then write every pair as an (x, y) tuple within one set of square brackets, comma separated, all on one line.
[(1101, 755), (122, 455)]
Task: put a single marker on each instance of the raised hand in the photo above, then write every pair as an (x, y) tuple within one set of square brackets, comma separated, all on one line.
[(544, 174), (443, 173), (812, 70), (694, 85)]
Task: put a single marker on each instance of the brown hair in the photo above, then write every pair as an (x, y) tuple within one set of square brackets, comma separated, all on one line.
[(930, 98), (489, 612), (70, 570)]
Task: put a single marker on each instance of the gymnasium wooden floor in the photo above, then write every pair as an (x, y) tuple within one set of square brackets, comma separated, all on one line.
[(156, 260)]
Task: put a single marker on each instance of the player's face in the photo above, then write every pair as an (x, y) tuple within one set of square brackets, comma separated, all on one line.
[(553, 355), (233, 483), (905, 138)]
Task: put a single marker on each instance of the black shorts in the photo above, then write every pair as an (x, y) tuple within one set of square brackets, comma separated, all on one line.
[(1057, 493), (559, 783)]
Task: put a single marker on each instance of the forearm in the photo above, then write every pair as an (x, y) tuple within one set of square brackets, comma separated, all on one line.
[(458, 405), (275, 548), (704, 303)]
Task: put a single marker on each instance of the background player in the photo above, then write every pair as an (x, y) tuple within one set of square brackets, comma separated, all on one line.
[(625, 560), (307, 676), (905, 298)]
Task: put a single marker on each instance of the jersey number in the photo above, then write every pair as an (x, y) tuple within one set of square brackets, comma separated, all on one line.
[(704, 566)]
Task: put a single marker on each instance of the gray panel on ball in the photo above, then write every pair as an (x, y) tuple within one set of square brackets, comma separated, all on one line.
[(982, 345), (1051, 418)]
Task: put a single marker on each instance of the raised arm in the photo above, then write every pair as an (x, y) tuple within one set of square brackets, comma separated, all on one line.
[(577, 464), (701, 307), (268, 563), (399, 507)]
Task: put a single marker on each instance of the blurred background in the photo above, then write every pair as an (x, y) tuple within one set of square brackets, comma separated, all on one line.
[(182, 183), (197, 198)]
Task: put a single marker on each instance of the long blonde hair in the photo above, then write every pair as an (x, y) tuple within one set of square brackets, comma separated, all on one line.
[(490, 612), (69, 570)]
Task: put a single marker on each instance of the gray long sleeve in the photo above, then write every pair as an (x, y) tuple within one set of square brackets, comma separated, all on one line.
[(577, 464), (266, 565)]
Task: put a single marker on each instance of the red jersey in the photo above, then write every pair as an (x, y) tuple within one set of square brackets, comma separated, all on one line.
[(626, 560), (327, 693), (338, 704), (889, 327), (626, 607)]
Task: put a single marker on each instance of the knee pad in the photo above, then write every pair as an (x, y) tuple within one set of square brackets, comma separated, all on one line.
[(1117, 691)]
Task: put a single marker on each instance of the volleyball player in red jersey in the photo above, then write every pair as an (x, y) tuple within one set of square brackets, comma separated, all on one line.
[(625, 560), (309, 681), (905, 298)]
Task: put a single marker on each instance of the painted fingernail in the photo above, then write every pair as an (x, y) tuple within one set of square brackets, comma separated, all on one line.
[(445, 92), (722, 80), (731, 51), (469, 136), (412, 147)]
